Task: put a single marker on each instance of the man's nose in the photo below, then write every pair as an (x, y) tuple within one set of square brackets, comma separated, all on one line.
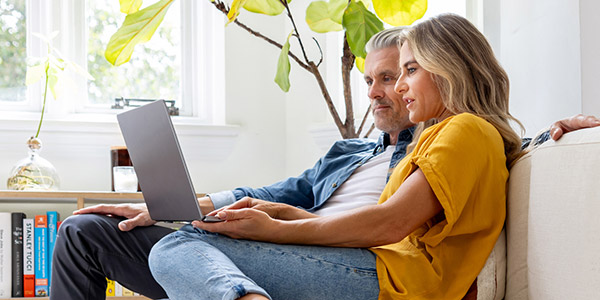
[(376, 92)]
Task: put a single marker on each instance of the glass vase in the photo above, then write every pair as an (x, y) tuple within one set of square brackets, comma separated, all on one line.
[(33, 172)]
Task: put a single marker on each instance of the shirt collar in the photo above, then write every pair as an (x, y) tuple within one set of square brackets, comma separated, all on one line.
[(404, 137)]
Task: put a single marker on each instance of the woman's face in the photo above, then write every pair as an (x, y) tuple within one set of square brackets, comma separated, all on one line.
[(418, 90)]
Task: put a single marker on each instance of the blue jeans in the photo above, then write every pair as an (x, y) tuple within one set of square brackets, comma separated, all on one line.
[(195, 264)]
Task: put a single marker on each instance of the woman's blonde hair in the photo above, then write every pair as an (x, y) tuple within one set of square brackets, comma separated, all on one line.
[(467, 73)]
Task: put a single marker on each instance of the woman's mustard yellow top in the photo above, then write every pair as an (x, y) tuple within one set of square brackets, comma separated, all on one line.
[(463, 160)]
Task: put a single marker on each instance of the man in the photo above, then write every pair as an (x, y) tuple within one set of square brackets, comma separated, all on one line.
[(353, 173)]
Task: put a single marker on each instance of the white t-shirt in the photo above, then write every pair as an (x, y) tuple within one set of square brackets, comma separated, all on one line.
[(363, 187)]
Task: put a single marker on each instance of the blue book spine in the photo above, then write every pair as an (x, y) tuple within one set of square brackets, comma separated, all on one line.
[(41, 252), (52, 229)]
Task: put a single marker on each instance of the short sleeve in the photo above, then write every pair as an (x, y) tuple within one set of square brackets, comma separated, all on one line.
[(454, 158)]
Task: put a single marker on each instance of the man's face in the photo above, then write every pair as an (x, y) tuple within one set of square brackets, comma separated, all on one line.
[(381, 72)]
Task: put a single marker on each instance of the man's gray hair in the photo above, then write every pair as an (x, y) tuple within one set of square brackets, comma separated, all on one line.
[(384, 39)]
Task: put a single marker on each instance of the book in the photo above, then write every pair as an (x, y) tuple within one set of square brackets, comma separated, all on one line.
[(17, 253), (5, 255), (28, 258), (127, 292), (41, 252), (118, 289), (52, 230), (110, 287)]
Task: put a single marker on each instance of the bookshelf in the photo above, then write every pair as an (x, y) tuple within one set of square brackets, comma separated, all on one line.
[(78, 199)]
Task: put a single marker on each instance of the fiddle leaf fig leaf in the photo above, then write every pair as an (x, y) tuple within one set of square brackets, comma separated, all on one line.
[(265, 7), (400, 12), (360, 25), (234, 11), (130, 6), (137, 28), (282, 78), (324, 16), (360, 64)]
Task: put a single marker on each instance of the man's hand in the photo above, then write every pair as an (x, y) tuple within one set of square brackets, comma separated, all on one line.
[(571, 124), (136, 214)]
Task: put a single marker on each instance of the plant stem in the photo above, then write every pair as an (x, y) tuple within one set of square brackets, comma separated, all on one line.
[(289, 13), (221, 7), (44, 102)]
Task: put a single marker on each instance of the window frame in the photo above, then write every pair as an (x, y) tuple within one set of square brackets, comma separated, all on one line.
[(202, 75)]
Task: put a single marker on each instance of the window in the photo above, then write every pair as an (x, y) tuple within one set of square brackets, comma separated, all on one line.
[(171, 65), (153, 71), (12, 52)]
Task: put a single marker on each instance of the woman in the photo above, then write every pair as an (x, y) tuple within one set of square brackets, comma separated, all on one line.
[(437, 219)]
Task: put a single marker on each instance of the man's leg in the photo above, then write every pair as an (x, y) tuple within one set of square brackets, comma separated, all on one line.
[(91, 247), (193, 264)]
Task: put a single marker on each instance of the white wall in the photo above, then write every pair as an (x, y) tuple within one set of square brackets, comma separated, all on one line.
[(550, 53)]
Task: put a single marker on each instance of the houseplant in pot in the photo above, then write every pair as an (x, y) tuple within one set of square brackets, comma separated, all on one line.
[(34, 172)]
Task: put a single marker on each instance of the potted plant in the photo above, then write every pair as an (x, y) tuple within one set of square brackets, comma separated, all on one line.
[(353, 17), (35, 172)]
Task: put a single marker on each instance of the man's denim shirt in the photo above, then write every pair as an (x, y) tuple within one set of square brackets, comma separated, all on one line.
[(313, 187)]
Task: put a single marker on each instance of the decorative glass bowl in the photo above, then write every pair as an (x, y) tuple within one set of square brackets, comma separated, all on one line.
[(33, 172)]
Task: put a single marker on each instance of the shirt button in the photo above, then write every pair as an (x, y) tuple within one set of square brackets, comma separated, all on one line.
[(334, 185)]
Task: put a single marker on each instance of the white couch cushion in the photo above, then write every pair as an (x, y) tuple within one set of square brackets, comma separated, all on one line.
[(516, 229), (564, 223)]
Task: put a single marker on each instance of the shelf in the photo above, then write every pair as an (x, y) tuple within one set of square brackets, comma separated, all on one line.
[(80, 198), (108, 298)]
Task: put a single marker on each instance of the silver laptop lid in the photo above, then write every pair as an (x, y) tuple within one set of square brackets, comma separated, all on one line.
[(159, 164)]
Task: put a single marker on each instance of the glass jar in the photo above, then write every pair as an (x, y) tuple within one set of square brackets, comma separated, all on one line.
[(33, 172)]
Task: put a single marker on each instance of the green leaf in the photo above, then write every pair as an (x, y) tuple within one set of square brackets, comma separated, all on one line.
[(282, 78), (54, 76), (265, 7), (46, 39), (360, 64), (130, 6), (234, 11), (79, 70), (400, 12), (324, 16), (360, 25), (137, 28), (36, 72)]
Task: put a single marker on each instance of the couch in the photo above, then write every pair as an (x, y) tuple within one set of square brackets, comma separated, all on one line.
[(550, 248)]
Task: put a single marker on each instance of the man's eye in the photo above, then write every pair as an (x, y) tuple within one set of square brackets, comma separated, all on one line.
[(369, 82)]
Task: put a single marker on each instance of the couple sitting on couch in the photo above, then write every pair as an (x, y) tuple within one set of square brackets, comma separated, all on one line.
[(413, 215)]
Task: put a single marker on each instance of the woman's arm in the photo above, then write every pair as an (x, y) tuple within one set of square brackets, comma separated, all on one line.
[(409, 207)]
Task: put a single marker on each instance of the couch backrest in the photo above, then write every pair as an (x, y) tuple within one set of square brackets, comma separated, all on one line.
[(553, 221)]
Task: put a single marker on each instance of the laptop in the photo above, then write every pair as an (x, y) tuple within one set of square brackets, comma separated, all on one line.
[(159, 164)]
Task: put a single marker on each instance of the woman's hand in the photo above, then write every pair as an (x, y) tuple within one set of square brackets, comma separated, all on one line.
[(279, 211), (136, 214), (270, 208), (243, 223)]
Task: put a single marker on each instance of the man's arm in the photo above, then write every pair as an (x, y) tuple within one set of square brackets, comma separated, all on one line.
[(571, 124), (558, 128)]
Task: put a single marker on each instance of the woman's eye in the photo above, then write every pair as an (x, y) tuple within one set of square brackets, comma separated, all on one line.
[(411, 70)]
